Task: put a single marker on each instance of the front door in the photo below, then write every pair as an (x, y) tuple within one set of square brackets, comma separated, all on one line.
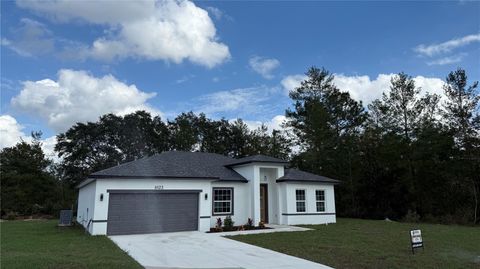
[(264, 203)]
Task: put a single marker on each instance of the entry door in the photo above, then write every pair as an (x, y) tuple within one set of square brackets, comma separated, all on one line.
[(264, 203)]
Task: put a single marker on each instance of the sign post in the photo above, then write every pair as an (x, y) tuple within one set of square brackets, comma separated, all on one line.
[(416, 239)]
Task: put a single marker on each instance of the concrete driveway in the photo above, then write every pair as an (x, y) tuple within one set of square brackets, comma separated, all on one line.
[(202, 250)]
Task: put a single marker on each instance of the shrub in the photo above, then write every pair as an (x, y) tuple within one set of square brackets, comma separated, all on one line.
[(228, 223), (261, 225), (411, 216), (249, 224), (218, 226), (11, 215)]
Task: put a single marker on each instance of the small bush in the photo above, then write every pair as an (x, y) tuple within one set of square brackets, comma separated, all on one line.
[(218, 226), (411, 216), (228, 223), (249, 225), (11, 216), (261, 225)]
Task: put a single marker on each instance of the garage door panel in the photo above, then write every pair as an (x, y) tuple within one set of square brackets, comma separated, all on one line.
[(130, 213)]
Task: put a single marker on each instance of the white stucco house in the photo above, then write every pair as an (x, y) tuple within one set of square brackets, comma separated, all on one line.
[(184, 191)]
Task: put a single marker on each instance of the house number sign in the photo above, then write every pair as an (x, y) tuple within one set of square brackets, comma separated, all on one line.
[(159, 187), (416, 239)]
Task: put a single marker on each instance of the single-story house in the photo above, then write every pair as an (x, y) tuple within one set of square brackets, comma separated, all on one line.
[(186, 191)]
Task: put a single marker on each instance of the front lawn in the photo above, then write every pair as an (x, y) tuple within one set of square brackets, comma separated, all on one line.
[(40, 244), (355, 243)]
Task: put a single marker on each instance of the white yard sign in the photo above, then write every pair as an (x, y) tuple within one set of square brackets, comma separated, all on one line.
[(416, 239)]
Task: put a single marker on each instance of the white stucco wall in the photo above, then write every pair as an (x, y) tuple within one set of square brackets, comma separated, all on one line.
[(86, 205), (281, 198), (291, 217), (241, 202)]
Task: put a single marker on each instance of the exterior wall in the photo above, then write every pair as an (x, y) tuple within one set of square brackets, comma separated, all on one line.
[(268, 176), (281, 198), (101, 207), (86, 205), (247, 172), (290, 216), (241, 202), (252, 172)]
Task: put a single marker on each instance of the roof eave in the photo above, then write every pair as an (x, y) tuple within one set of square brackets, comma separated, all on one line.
[(245, 162), (141, 177), (310, 181)]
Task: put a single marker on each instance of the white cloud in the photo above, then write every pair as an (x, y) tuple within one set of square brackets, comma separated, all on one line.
[(274, 124), (10, 131), (77, 96), (446, 47), (290, 83), (362, 88), (48, 146), (365, 89), (173, 31), (264, 66), (448, 60), (244, 99), (30, 38)]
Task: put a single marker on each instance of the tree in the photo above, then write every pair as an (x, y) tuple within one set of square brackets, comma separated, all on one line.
[(326, 123), (463, 119), (27, 185), (93, 146), (183, 132)]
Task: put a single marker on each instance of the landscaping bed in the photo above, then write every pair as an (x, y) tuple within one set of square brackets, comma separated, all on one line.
[(227, 225)]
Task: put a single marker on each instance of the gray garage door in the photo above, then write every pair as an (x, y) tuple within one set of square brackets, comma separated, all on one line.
[(137, 212)]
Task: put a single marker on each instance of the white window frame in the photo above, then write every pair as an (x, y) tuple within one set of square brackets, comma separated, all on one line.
[(324, 201), (304, 201), (222, 201)]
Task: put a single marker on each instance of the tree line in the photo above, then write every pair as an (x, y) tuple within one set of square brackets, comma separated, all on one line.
[(408, 155)]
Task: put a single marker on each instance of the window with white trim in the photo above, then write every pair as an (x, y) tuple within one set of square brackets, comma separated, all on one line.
[(300, 200), (320, 198), (222, 201)]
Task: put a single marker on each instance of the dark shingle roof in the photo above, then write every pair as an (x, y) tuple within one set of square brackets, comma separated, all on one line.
[(301, 176), (180, 164), (175, 164), (255, 158)]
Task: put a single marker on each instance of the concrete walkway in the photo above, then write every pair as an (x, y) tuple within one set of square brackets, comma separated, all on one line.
[(202, 250)]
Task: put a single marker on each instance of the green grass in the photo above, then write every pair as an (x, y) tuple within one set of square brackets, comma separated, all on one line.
[(40, 244), (354, 243)]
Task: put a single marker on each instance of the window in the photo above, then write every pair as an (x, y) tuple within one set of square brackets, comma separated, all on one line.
[(320, 197), (300, 196), (222, 201)]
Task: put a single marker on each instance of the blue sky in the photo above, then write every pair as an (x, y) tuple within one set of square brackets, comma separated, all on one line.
[(62, 63)]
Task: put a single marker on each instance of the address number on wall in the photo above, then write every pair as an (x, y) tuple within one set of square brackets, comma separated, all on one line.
[(159, 187)]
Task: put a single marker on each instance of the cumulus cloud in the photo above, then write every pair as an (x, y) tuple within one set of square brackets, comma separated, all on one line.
[(290, 83), (445, 47), (30, 38), (77, 96), (365, 89), (10, 131), (173, 31), (264, 66)]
